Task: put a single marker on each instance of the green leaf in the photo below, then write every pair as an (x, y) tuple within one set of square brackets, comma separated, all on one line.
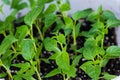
[(108, 76), (54, 56), (22, 6), (93, 16), (51, 8), (32, 3), (90, 42), (108, 15), (76, 60), (28, 51), (50, 45), (32, 15), (7, 58), (30, 72), (77, 29), (3, 75), (7, 43), (113, 51), (113, 23), (81, 14), (17, 77), (53, 72), (11, 17), (89, 52), (104, 62), (61, 38), (71, 72), (60, 25), (99, 10), (21, 32), (6, 1), (63, 61), (68, 22), (64, 7), (15, 3), (100, 51), (92, 71), (23, 67), (98, 25), (49, 20)]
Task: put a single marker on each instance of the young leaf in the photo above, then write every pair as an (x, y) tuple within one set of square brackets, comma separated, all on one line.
[(15, 3), (108, 76), (99, 10), (104, 62), (17, 77), (21, 32), (64, 7), (53, 72), (49, 20), (50, 45), (90, 42), (108, 15), (32, 3), (51, 8), (113, 51), (28, 49), (63, 61), (32, 15), (6, 43), (54, 56), (23, 67), (76, 60), (81, 14), (68, 21), (93, 16), (113, 23), (92, 71), (2, 75), (71, 72), (89, 52), (61, 38), (77, 29), (98, 25)]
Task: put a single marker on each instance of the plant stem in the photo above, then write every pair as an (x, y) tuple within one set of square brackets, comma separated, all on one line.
[(39, 31), (102, 42), (38, 74), (36, 70), (74, 36), (63, 76), (8, 71)]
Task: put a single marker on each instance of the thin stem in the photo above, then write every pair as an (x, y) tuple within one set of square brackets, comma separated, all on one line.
[(74, 36), (8, 71), (102, 42), (63, 76), (38, 74), (39, 31)]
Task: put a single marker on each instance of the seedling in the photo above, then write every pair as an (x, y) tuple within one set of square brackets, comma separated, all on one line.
[(22, 46)]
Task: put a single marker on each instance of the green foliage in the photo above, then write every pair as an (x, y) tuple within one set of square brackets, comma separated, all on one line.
[(81, 14), (28, 51), (42, 30), (6, 43), (32, 15), (92, 70)]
